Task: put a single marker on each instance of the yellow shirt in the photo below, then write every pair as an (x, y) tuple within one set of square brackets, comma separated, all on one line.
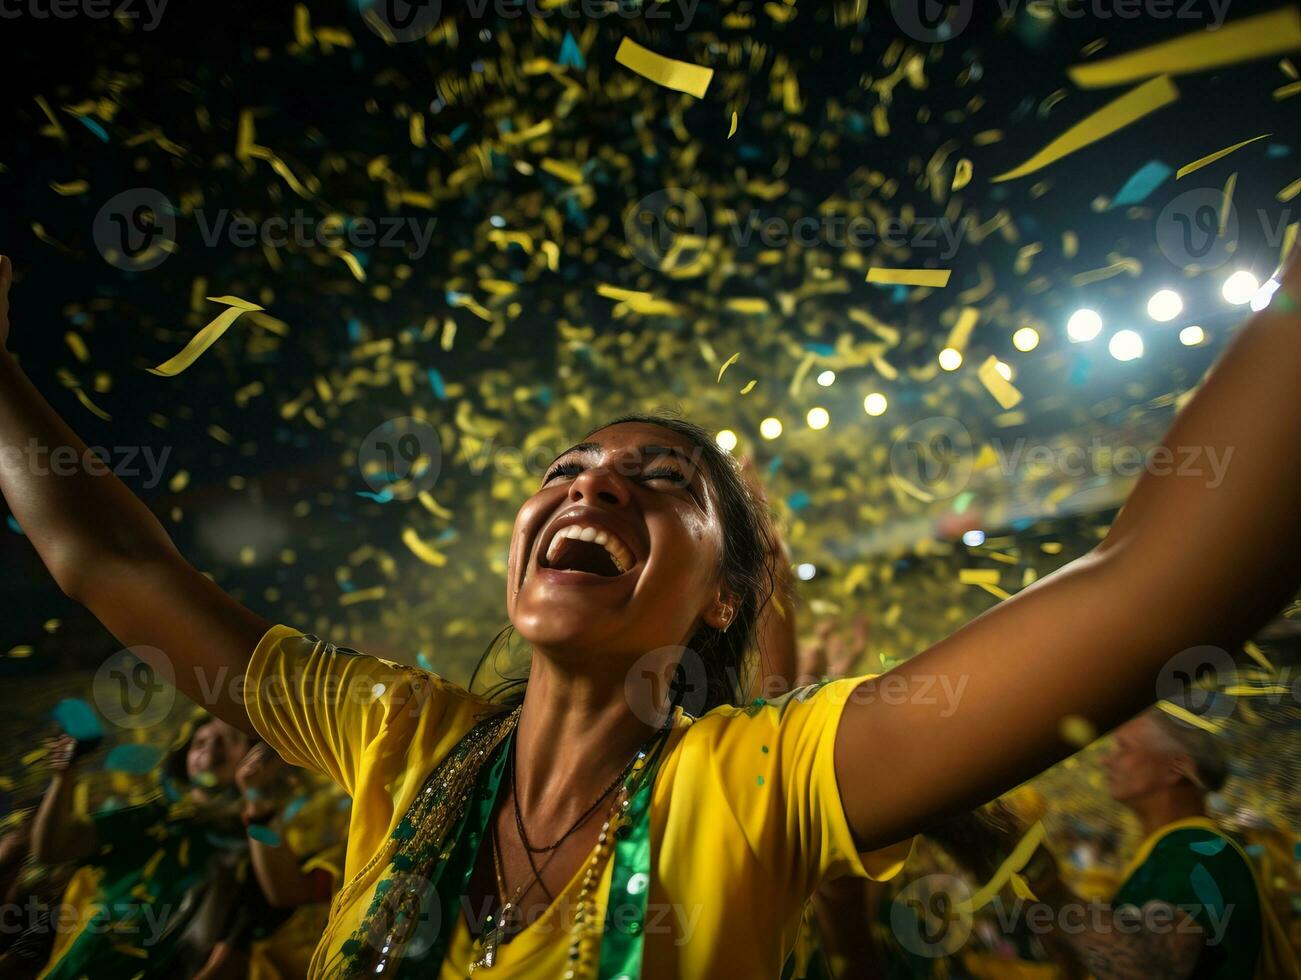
[(745, 813)]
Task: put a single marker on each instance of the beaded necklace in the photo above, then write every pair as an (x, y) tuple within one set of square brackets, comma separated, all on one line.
[(430, 858)]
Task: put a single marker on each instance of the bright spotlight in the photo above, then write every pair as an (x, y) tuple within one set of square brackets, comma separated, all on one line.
[(1240, 287), (1165, 305), (1125, 345), (818, 418), (1025, 339), (806, 571), (726, 440), (875, 404), (973, 538), (1191, 336), (827, 378), (950, 359), (1083, 326), (770, 428)]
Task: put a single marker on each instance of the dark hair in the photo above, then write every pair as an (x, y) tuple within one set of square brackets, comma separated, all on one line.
[(746, 564), (1203, 749)]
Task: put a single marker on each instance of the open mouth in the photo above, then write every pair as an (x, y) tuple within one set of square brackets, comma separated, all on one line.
[(580, 548)]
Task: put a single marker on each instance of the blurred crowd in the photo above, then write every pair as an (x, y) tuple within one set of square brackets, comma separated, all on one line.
[(220, 861)]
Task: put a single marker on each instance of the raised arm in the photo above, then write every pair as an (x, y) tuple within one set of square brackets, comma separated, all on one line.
[(107, 550), (1189, 561)]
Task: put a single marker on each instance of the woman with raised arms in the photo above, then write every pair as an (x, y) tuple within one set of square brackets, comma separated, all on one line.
[(596, 828)]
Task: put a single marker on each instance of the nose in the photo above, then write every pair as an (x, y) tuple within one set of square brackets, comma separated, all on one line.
[(600, 484)]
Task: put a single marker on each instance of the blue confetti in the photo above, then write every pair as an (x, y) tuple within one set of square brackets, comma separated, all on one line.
[(13, 524), (458, 132), (423, 661), (1209, 847), (133, 758), (94, 127), (798, 500), (354, 330), (570, 55), (78, 719), (436, 383), (1145, 180), (383, 497), (264, 835)]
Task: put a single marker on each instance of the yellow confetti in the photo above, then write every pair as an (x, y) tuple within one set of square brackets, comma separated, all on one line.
[(681, 76), (1183, 714), (732, 130), (206, 337), (362, 595), (1243, 40), (1206, 161), (1116, 115), (565, 171), (1078, 731), (750, 386), (1226, 201), (77, 346), (19, 652), (1004, 391), (426, 553), (935, 278), (70, 189), (727, 364), (962, 174), (961, 331)]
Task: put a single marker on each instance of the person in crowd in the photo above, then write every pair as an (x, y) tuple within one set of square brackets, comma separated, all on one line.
[(1189, 904), (159, 890), (578, 827)]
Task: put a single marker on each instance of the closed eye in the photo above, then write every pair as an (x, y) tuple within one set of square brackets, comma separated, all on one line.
[(562, 469)]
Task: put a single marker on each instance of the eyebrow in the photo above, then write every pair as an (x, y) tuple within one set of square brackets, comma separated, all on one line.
[(587, 447)]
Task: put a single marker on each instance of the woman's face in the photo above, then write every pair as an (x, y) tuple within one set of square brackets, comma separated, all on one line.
[(618, 551), (214, 754)]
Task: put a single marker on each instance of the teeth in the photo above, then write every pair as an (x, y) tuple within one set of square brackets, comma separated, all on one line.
[(620, 555)]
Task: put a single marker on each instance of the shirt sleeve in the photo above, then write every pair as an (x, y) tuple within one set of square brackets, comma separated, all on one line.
[(774, 763), (332, 709)]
